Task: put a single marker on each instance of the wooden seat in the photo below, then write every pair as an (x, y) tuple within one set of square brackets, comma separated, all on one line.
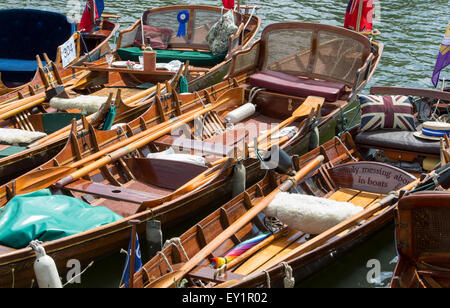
[(111, 192), (197, 146)]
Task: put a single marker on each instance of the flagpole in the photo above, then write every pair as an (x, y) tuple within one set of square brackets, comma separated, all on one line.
[(133, 224), (360, 9)]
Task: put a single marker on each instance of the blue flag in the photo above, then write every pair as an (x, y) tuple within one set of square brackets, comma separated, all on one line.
[(100, 4), (137, 262)]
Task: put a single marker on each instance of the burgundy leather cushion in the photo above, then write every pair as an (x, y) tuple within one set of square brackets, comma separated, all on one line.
[(159, 37), (293, 85)]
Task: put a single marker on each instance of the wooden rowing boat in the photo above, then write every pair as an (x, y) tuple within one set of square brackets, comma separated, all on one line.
[(422, 241), (89, 47), (129, 99), (287, 255), (192, 47), (119, 176)]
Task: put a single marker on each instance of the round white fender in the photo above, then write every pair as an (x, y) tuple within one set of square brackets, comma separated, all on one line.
[(240, 113), (45, 268)]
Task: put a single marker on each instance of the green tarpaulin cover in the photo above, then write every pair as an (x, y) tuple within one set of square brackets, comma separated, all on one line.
[(197, 58), (46, 217)]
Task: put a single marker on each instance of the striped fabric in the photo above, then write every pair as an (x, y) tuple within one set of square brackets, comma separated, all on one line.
[(386, 112), (218, 262)]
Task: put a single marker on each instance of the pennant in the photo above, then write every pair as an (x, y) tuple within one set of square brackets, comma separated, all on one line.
[(137, 262), (228, 4), (351, 15), (443, 59)]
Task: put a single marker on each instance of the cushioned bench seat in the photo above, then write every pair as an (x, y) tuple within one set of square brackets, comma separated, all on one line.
[(17, 65), (293, 85), (399, 140), (196, 58)]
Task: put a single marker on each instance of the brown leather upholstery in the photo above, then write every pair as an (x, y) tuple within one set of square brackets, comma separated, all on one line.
[(293, 85), (399, 140), (425, 199)]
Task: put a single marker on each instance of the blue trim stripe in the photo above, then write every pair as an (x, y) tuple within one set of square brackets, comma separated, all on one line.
[(436, 133)]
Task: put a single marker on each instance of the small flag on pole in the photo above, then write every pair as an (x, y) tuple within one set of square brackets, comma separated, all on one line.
[(443, 58), (228, 4), (352, 14), (86, 20), (137, 262)]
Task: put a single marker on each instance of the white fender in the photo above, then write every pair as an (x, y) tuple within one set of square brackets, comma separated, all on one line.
[(45, 268)]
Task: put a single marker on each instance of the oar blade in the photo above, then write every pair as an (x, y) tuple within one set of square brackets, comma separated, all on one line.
[(41, 179), (310, 103)]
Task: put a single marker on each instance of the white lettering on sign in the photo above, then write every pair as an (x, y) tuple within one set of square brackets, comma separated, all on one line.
[(68, 52)]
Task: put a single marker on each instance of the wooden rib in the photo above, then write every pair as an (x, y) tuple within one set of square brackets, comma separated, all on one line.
[(56, 73), (126, 169), (42, 73), (160, 108), (225, 222)]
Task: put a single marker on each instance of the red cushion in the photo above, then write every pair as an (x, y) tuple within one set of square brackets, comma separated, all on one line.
[(159, 37), (293, 85)]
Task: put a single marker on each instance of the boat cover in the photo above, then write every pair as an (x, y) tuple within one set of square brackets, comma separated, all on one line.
[(46, 217), (196, 58)]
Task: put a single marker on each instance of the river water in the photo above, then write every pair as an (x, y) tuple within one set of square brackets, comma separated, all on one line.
[(412, 31)]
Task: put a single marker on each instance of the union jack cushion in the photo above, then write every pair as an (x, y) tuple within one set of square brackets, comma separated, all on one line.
[(386, 112)]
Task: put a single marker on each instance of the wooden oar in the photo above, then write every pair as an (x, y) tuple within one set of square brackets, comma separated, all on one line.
[(310, 103), (168, 280), (26, 103)]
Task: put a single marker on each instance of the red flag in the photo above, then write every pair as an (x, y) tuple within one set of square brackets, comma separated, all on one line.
[(351, 15), (228, 4), (86, 20)]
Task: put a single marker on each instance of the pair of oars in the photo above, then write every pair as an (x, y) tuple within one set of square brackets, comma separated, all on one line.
[(137, 100), (15, 107), (324, 237), (169, 280), (311, 103), (40, 179)]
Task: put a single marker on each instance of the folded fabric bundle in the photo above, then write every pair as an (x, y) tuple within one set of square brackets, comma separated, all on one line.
[(90, 104), (19, 136), (171, 155), (309, 214)]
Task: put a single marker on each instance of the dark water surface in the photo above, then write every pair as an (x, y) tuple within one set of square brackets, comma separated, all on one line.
[(412, 31)]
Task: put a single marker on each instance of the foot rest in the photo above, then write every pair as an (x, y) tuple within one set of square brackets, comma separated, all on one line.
[(206, 273)]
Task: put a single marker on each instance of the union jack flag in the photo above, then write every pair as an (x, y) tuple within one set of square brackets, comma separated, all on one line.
[(384, 112)]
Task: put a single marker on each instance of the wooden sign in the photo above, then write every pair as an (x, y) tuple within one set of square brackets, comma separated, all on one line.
[(370, 177)]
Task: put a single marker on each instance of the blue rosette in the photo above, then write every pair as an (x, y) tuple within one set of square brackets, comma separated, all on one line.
[(183, 18)]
